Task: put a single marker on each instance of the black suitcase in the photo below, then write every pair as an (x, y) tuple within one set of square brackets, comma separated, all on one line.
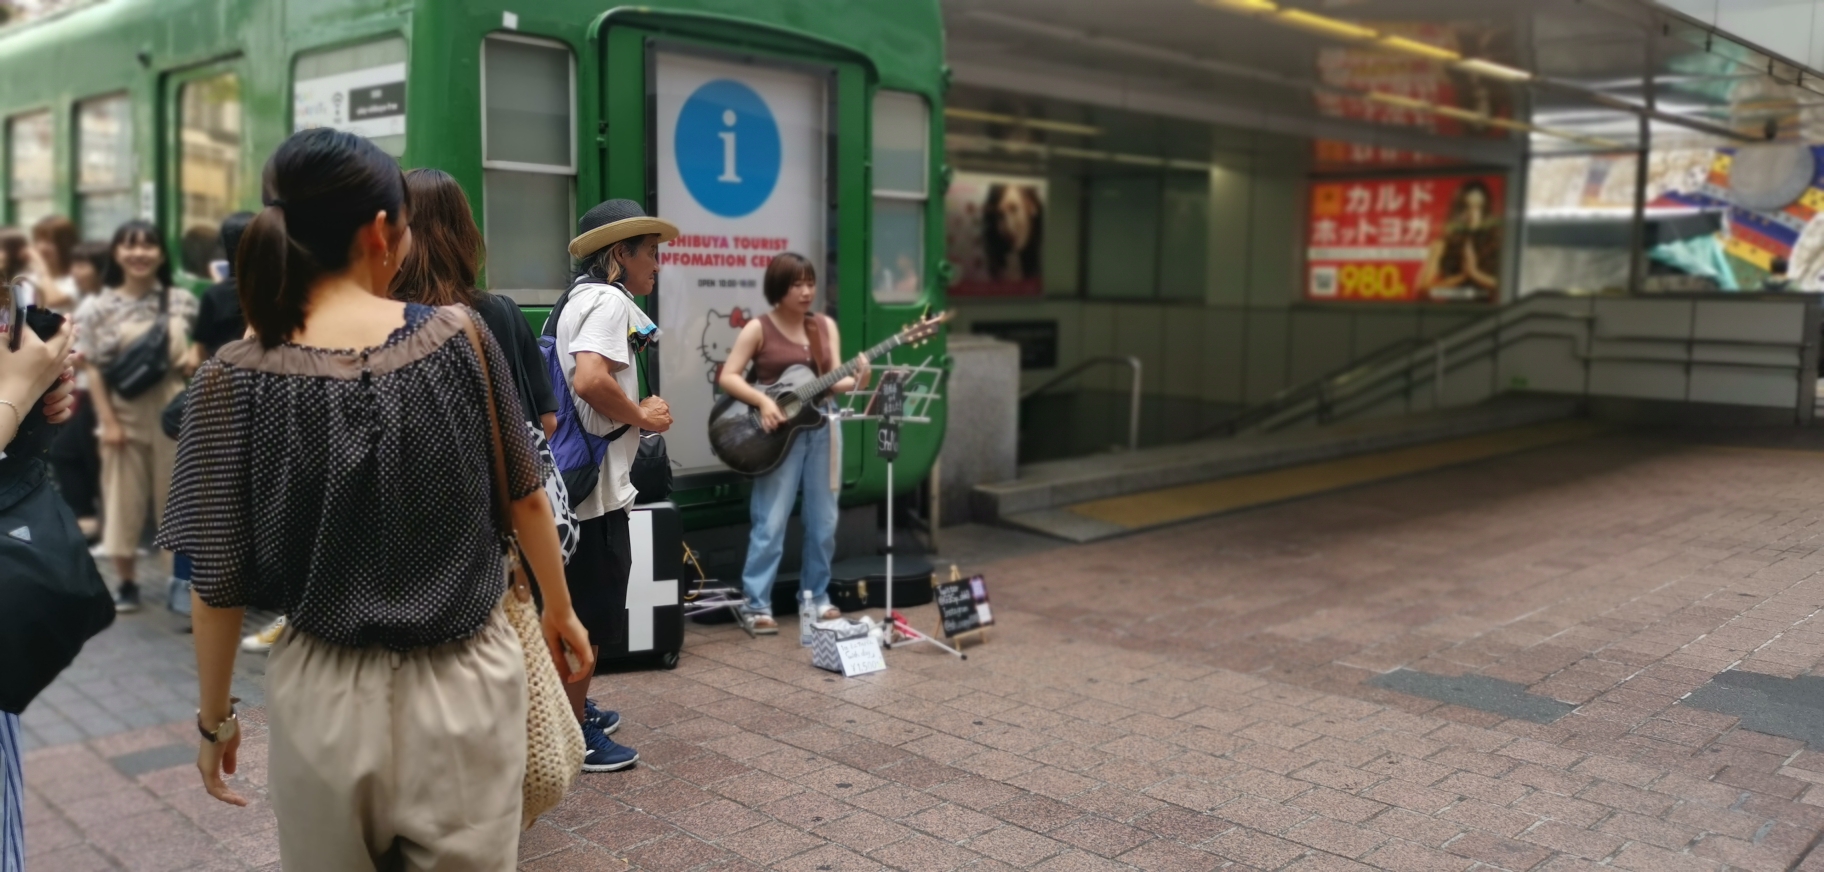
[(861, 582), (655, 586)]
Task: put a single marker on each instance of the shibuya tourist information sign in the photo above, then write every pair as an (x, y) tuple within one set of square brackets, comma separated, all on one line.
[(741, 168), (1409, 239)]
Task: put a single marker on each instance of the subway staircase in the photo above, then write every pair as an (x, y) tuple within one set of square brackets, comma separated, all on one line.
[(1090, 498), (1519, 378)]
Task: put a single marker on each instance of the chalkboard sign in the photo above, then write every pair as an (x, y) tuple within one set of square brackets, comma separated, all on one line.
[(963, 605), (889, 403)]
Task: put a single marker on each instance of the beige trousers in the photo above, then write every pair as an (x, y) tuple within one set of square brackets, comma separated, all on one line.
[(136, 477), (382, 760)]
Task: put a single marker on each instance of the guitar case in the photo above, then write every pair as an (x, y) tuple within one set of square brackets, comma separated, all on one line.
[(861, 582), (655, 590)]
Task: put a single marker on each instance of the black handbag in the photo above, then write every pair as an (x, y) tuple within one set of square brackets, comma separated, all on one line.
[(171, 420), (651, 472), (143, 363), (52, 598)]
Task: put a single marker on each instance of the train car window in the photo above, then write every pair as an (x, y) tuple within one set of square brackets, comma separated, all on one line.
[(529, 164), (105, 165), (357, 88), (902, 137), (29, 184), (209, 142)]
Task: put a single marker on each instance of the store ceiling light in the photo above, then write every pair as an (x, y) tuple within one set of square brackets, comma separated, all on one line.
[(1019, 121), (1492, 70), (1325, 25), (1336, 28), (1413, 46), (1485, 120)]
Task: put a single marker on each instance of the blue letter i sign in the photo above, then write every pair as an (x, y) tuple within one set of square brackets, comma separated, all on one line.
[(727, 148)]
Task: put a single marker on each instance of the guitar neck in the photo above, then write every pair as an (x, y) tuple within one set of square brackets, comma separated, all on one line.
[(814, 389)]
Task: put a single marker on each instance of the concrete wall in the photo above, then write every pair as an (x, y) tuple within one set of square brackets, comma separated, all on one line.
[(1249, 336), (982, 423)]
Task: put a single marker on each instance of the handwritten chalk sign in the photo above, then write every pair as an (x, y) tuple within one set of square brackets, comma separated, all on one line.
[(860, 656), (963, 605), (889, 403)]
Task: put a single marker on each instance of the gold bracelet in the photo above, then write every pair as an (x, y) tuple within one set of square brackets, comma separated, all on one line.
[(18, 416)]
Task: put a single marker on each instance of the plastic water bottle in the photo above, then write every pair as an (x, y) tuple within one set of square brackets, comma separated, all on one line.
[(807, 615)]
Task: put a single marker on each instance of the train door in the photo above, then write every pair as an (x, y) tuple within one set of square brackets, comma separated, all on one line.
[(738, 147), (204, 166)]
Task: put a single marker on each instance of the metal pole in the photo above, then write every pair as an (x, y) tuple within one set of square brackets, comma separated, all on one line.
[(1437, 375), (888, 635), (1637, 236), (1133, 410)]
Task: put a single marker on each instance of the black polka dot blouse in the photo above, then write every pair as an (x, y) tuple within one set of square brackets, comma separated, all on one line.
[(351, 490)]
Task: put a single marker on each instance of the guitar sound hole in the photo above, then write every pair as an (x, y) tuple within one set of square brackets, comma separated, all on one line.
[(789, 408)]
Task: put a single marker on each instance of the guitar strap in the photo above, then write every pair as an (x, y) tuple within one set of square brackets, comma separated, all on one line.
[(820, 348), (820, 355)]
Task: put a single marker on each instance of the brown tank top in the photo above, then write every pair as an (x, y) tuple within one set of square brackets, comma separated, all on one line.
[(777, 352)]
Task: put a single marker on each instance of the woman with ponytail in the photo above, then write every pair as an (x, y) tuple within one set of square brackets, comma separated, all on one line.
[(336, 467)]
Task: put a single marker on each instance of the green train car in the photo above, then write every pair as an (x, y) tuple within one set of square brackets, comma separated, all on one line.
[(756, 125)]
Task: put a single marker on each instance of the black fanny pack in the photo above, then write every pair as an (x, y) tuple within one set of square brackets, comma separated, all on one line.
[(143, 363)]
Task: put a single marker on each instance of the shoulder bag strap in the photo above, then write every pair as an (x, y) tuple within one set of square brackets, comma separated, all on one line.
[(503, 504)]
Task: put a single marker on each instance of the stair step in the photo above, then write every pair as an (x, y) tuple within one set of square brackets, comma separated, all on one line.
[(1056, 484), (1116, 516)]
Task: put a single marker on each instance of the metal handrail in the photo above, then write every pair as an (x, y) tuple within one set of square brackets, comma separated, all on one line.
[(1318, 388), (1133, 401), (1400, 367)]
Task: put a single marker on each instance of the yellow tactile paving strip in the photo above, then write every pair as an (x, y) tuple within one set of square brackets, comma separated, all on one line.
[(1182, 503)]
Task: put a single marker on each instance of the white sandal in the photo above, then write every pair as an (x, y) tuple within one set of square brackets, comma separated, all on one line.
[(770, 627)]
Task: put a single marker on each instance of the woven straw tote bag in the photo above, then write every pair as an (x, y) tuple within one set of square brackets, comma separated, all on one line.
[(554, 740)]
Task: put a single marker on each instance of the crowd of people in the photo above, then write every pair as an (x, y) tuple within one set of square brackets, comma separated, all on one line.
[(313, 436)]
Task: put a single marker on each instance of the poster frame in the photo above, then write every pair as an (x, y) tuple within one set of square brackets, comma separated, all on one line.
[(1511, 213), (828, 73)]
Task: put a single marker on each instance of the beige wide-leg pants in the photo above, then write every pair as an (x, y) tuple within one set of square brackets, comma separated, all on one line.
[(136, 477), (382, 760)]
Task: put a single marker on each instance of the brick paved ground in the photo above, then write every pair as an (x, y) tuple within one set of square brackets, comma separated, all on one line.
[(141, 672), (1193, 699)]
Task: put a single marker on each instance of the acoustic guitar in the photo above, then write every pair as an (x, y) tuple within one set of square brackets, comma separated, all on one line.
[(735, 434)]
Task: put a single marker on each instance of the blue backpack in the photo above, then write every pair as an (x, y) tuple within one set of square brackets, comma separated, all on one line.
[(578, 452)]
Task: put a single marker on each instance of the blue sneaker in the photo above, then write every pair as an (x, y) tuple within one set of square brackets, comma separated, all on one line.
[(607, 721), (604, 754)]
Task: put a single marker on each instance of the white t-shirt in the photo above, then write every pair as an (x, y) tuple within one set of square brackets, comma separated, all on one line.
[(599, 318)]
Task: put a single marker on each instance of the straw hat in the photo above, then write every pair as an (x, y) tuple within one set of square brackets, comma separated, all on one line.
[(612, 221)]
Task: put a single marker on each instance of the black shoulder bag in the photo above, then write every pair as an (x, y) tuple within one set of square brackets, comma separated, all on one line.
[(144, 362), (651, 472), (52, 598)]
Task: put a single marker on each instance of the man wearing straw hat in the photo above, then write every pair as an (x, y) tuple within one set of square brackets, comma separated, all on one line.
[(599, 330)]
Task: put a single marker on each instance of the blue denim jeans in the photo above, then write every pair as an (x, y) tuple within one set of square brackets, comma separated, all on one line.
[(806, 467)]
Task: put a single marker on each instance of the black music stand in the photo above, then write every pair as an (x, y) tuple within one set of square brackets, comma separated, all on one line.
[(902, 396)]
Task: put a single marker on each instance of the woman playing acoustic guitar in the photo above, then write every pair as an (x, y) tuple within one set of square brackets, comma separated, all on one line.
[(791, 334)]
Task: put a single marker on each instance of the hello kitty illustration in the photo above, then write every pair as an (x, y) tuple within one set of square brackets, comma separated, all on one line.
[(719, 337)]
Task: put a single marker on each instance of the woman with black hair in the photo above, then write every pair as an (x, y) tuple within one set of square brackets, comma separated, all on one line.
[(136, 455), (1013, 224), (339, 466), (1464, 262)]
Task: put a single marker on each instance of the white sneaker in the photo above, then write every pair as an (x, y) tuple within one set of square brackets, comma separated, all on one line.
[(262, 642)]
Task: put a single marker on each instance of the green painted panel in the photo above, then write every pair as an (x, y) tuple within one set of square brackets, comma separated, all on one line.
[(134, 45), (1064, 236), (1123, 235), (1184, 237), (1231, 192)]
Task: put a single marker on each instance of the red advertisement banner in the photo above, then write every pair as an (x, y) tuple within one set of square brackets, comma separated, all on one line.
[(1424, 238)]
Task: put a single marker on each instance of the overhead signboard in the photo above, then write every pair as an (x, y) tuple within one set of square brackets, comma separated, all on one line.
[(367, 102), (741, 171), (1409, 239)]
